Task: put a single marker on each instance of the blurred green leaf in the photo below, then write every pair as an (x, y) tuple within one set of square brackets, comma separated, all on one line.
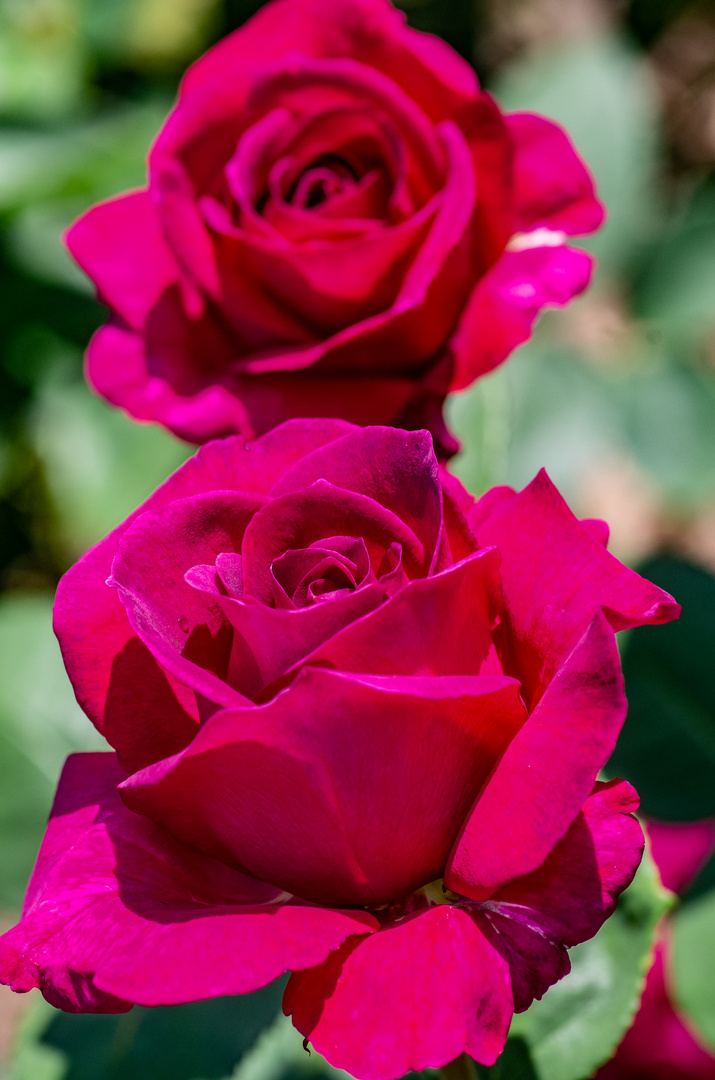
[(40, 724), (99, 464), (579, 1022), (693, 963), (667, 745)]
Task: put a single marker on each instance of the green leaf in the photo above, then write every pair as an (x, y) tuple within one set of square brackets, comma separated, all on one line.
[(667, 745), (99, 464), (580, 1021), (693, 964), (40, 724)]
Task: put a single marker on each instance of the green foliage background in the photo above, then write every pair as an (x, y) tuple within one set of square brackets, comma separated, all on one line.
[(616, 397)]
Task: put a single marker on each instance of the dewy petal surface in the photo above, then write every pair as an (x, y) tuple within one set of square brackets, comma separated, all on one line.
[(415, 996), (302, 800), (118, 912)]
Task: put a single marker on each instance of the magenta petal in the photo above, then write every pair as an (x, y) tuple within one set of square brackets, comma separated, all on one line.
[(143, 711), (186, 632), (296, 520), (406, 482), (439, 625), (680, 849), (414, 996), (297, 791), (546, 772), (552, 187), (568, 898), (117, 911), (501, 312), (119, 244), (269, 641), (555, 576)]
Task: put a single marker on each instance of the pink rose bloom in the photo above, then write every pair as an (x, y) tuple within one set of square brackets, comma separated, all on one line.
[(358, 718), (337, 222), (662, 1044)]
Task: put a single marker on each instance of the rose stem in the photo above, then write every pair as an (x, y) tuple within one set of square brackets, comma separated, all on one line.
[(462, 1068)]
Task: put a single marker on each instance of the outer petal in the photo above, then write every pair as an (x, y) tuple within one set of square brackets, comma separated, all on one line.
[(415, 996), (568, 898), (553, 189), (681, 849), (546, 773), (144, 712), (185, 630), (555, 576), (304, 803), (120, 246), (506, 302), (118, 912)]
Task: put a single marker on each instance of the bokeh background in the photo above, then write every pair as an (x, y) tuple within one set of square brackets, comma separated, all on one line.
[(614, 396)]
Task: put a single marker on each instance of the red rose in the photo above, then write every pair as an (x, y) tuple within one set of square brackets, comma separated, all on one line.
[(359, 718), (338, 222)]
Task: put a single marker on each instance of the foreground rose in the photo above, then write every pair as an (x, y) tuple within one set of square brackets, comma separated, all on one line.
[(337, 223), (662, 1044), (358, 719)]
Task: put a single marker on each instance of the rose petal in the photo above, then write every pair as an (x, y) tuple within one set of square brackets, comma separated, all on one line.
[(680, 849), (304, 804), (569, 897), (112, 893), (120, 246), (553, 188), (435, 626), (414, 996), (554, 577), (547, 771), (183, 629), (145, 713), (506, 302), (299, 518), (406, 481)]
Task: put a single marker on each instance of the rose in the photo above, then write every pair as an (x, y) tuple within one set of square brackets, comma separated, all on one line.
[(359, 718), (661, 1044), (337, 222)]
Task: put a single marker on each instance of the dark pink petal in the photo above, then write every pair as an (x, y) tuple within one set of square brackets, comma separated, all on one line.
[(553, 189), (119, 244), (184, 629), (492, 149), (144, 712), (506, 302), (681, 849), (414, 996), (369, 31), (547, 771), (439, 625), (568, 898), (406, 480), (298, 791), (299, 518), (268, 641), (118, 912), (555, 575), (660, 1045), (599, 530)]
